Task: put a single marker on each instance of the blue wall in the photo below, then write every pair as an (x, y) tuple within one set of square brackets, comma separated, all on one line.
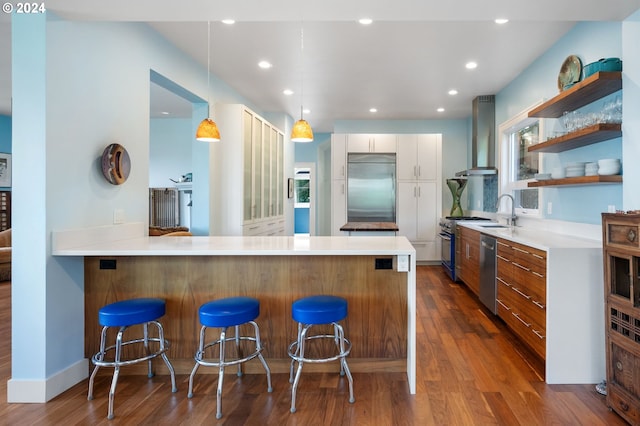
[(5, 136), (590, 41)]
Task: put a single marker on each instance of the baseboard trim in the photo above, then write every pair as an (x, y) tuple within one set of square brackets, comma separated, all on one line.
[(40, 391)]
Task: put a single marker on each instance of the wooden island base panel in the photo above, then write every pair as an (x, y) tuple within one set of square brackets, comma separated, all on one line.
[(376, 323)]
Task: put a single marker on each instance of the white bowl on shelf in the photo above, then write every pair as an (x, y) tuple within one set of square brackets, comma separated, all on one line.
[(557, 173), (609, 170), (609, 162)]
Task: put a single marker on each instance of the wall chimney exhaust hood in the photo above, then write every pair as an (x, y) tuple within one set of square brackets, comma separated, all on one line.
[(483, 139)]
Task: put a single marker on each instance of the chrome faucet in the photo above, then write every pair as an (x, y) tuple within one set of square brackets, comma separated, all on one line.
[(511, 220)]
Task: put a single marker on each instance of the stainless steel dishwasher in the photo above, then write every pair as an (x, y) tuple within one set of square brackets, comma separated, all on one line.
[(488, 272)]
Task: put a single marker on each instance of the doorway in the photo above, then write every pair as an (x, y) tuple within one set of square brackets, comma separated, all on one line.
[(304, 199)]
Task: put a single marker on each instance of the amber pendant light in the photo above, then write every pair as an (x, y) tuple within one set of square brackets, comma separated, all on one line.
[(301, 131), (208, 130)]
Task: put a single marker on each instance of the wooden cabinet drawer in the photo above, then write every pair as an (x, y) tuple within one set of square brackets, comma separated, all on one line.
[(530, 283), (622, 234), (623, 404), (524, 306), (525, 329), (625, 368)]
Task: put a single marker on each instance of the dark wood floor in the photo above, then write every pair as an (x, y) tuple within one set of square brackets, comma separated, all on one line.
[(471, 371)]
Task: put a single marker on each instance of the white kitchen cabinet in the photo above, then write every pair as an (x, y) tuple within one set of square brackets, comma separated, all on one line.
[(418, 157), (249, 156), (417, 217), (338, 156), (338, 205), (338, 182), (419, 172), (363, 142)]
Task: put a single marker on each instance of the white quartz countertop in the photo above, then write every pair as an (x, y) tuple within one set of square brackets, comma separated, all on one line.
[(243, 246), (537, 238)]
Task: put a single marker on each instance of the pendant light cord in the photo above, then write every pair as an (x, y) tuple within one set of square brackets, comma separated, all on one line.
[(301, 69), (208, 69)]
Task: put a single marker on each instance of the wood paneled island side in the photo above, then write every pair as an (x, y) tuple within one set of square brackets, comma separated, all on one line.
[(189, 271)]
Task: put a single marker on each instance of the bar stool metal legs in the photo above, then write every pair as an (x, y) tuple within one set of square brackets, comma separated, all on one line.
[(312, 311), (220, 314), (123, 315)]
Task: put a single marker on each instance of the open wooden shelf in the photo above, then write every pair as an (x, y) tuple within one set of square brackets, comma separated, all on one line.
[(579, 180), (582, 93), (586, 136)]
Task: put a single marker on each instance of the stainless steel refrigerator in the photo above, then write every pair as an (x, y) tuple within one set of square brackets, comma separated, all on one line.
[(371, 187)]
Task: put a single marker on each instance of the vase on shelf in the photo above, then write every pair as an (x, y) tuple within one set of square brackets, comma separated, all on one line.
[(456, 186)]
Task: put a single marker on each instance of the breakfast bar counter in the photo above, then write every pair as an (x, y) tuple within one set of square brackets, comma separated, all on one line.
[(377, 276)]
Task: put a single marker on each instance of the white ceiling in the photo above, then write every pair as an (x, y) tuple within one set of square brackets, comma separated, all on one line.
[(403, 64)]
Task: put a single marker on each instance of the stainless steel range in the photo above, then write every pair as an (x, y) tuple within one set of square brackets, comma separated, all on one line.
[(448, 238)]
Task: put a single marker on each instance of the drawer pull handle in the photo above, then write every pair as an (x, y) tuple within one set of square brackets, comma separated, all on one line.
[(537, 274), (537, 255), (502, 258), (631, 236), (521, 293), (520, 319), (619, 365), (521, 267), (503, 282), (624, 406), (503, 305), (500, 243), (537, 333), (520, 250), (538, 304)]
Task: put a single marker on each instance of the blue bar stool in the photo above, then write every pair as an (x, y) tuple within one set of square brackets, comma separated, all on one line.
[(224, 313), (123, 315), (317, 310)]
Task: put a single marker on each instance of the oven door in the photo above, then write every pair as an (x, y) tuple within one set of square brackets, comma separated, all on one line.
[(446, 249)]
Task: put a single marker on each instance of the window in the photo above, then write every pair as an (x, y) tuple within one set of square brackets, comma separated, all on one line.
[(518, 165)]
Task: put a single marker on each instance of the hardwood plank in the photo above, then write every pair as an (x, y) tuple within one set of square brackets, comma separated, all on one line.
[(472, 372)]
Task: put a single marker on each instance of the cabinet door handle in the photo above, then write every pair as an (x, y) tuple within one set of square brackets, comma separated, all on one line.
[(537, 255), (502, 258), (521, 267), (537, 274), (537, 333), (538, 304), (342, 186), (415, 171), (500, 243), (521, 293), (342, 171), (503, 305), (419, 192), (631, 236), (520, 250), (419, 171), (520, 319)]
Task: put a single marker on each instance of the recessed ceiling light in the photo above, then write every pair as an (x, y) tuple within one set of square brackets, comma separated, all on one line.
[(288, 92), (373, 109), (165, 113), (453, 92), (264, 65), (306, 111), (228, 21), (365, 21), (440, 109), (501, 21), (471, 65)]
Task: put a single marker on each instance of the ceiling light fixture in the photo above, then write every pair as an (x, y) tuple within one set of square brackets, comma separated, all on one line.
[(471, 65), (453, 92), (228, 21), (287, 92), (501, 21), (373, 109), (440, 109), (365, 21), (265, 65), (301, 131), (208, 130)]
